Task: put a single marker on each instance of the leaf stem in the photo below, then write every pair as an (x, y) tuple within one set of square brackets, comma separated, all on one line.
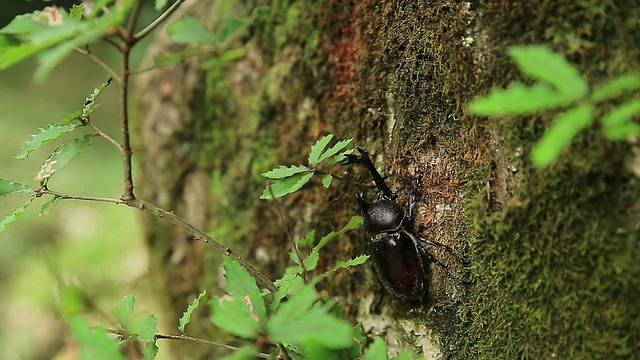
[(100, 63), (45, 191), (144, 32)]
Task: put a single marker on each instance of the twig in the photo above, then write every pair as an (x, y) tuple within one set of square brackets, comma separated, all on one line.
[(87, 122), (45, 191), (100, 63), (189, 338), (198, 234), (158, 20)]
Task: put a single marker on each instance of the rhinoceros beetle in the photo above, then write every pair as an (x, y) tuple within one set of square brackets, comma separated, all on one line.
[(399, 257)]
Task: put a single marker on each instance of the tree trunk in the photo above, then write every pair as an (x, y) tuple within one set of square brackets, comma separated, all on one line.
[(554, 252)]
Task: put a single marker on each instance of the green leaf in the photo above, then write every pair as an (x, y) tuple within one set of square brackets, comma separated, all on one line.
[(90, 102), (11, 218), (124, 310), (186, 316), (317, 149), (150, 351), (559, 136), (354, 223), (517, 99), (230, 26), (241, 285), (283, 171), (160, 4), (616, 87), (358, 260), (339, 158), (71, 117), (311, 261), (77, 11), (295, 323), (61, 157), (544, 64), (308, 239), (287, 185), (235, 316), (44, 136), (326, 180), (8, 187), (336, 148), (376, 351), (290, 283), (145, 327), (617, 125), (94, 344), (189, 30), (49, 205)]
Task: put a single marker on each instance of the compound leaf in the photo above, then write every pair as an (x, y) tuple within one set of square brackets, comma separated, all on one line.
[(358, 260), (189, 30), (235, 316), (124, 310), (44, 136), (241, 285), (317, 149), (336, 148), (559, 136), (544, 64)]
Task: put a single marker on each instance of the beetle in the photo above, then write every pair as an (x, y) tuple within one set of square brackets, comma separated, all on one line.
[(399, 256)]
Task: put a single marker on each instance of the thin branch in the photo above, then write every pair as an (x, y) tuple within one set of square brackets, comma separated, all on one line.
[(133, 19), (45, 191), (189, 338), (126, 145), (144, 32), (100, 133), (198, 234), (100, 63)]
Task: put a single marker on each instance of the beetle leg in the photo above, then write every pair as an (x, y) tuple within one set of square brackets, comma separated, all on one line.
[(442, 266), (412, 209)]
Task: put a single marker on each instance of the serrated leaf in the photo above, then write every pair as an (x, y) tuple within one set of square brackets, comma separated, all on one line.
[(308, 239), (559, 136), (186, 316), (294, 323), (358, 260), (44, 136), (290, 283), (376, 351), (544, 64), (241, 285), (235, 316), (189, 30), (49, 205), (353, 223), (616, 87), (11, 218), (287, 185), (150, 351), (284, 171), (94, 343), (76, 11), (73, 116), (311, 262), (336, 148), (145, 327), (61, 157), (124, 310), (317, 149), (8, 187), (518, 99), (339, 158), (326, 180), (90, 102)]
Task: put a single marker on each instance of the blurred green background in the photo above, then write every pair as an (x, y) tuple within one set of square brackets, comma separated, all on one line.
[(83, 255)]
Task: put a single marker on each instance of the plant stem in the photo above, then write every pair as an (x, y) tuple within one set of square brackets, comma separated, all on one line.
[(100, 63), (144, 32), (45, 191)]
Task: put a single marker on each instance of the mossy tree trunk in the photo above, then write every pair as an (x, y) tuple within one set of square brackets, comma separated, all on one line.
[(554, 252)]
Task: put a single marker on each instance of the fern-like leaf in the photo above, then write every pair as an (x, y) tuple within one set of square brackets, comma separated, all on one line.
[(43, 137)]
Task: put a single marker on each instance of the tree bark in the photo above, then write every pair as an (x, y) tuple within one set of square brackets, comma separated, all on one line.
[(397, 77)]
